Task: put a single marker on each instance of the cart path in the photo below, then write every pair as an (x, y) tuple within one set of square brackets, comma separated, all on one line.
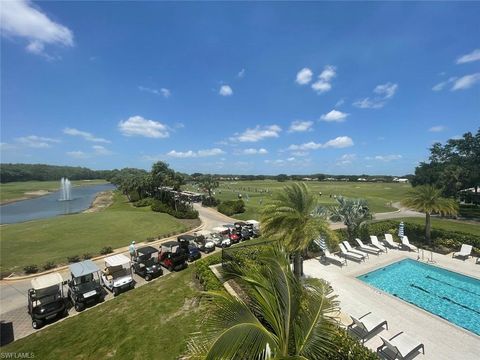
[(13, 294)]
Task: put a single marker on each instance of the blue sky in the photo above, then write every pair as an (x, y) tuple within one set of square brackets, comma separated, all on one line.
[(261, 88)]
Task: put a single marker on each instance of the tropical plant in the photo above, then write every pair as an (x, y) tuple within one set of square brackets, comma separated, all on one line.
[(352, 212), (282, 316), (290, 218), (428, 199), (209, 183)]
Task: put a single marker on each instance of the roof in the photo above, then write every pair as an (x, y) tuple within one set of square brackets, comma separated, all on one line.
[(83, 268), (116, 260), (171, 243), (254, 222), (147, 250), (46, 281), (203, 232), (219, 229), (187, 237)]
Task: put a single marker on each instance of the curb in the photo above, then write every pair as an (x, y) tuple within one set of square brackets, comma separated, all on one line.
[(116, 251)]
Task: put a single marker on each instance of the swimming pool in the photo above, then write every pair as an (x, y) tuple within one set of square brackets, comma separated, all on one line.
[(447, 294)]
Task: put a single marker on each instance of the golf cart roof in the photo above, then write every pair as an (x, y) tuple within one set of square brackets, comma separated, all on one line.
[(186, 237), (83, 268), (228, 225), (220, 229), (46, 281), (116, 260), (203, 232), (241, 223), (253, 222), (171, 243), (147, 250)]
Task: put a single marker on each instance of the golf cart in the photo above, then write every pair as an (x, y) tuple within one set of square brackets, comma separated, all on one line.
[(84, 286), (254, 227), (145, 264), (242, 230), (204, 242), (117, 275), (173, 256), (188, 244), (220, 237), (46, 300)]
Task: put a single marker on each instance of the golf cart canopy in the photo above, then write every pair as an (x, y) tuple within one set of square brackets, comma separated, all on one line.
[(203, 232), (186, 237), (117, 260), (83, 268), (219, 229), (171, 244), (253, 222), (46, 281), (147, 250)]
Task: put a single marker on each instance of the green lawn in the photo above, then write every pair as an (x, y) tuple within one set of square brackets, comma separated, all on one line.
[(154, 321), (36, 242), (378, 195), (445, 224), (17, 190)]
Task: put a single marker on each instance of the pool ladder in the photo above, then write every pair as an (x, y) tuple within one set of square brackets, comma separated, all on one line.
[(431, 261)]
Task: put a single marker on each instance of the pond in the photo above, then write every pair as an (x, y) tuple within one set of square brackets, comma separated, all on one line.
[(48, 206)]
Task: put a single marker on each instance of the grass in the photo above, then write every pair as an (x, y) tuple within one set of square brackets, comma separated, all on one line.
[(16, 190), (445, 224), (153, 321), (379, 195), (36, 242)]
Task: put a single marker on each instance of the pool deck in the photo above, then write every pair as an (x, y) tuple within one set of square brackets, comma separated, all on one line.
[(442, 339)]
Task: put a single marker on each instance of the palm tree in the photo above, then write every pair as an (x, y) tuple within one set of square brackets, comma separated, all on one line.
[(428, 199), (290, 219), (281, 317), (352, 212)]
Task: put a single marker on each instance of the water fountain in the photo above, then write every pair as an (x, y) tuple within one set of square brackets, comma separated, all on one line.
[(65, 190)]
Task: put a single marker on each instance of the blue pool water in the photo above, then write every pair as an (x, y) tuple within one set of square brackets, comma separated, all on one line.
[(447, 294)]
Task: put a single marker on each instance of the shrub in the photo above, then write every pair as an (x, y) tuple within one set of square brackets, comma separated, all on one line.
[(106, 250), (182, 212), (205, 276), (350, 348), (210, 201), (150, 239), (143, 202), (73, 259), (231, 207), (49, 265), (30, 269), (87, 256)]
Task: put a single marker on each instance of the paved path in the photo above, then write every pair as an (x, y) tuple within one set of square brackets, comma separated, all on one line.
[(13, 294)]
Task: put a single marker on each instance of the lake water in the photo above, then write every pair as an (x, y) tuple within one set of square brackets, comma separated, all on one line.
[(48, 206)]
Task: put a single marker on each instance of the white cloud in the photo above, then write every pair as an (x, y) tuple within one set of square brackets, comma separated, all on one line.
[(6, 146), (163, 91), (225, 90), (383, 93), (346, 159), (340, 103), (323, 83), (23, 19), (300, 126), (334, 115), (328, 73), (473, 56), (138, 126), (241, 73), (385, 158), (338, 143), (304, 76), (77, 154), (101, 150), (437, 128), (194, 154), (86, 135), (441, 85), (321, 86), (38, 142), (300, 153), (466, 82), (253, 151), (258, 133)]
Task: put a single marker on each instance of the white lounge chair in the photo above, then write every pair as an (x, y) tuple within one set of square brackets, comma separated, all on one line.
[(406, 243), (351, 255), (352, 250), (369, 249), (366, 325), (334, 258), (400, 346), (389, 241), (377, 244), (464, 252)]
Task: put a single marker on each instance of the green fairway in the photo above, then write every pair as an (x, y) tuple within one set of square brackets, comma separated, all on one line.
[(54, 239), (445, 224), (378, 195), (154, 321), (17, 190)]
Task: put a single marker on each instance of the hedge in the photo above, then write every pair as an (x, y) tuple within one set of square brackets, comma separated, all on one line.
[(350, 348), (231, 207), (159, 206), (204, 274)]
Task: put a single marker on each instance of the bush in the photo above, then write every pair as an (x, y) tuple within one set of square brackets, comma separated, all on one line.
[(87, 256), (143, 202), (106, 250), (30, 269), (181, 212), (231, 207), (210, 201), (49, 265), (205, 276), (350, 348), (73, 259), (150, 239)]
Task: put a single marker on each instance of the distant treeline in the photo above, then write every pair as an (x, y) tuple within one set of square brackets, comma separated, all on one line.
[(42, 172)]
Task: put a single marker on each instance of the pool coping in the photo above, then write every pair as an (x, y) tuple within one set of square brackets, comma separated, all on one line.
[(356, 274)]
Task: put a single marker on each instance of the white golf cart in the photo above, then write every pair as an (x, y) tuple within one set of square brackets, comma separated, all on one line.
[(117, 275), (204, 241), (46, 300), (220, 237), (254, 226)]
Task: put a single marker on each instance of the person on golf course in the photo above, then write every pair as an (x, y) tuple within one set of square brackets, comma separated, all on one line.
[(132, 249)]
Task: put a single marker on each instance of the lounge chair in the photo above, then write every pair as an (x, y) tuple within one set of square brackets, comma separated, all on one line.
[(334, 258), (389, 241), (377, 244), (352, 250), (350, 255), (366, 248), (464, 252), (400, 346), (406, 243), (366, 325)]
